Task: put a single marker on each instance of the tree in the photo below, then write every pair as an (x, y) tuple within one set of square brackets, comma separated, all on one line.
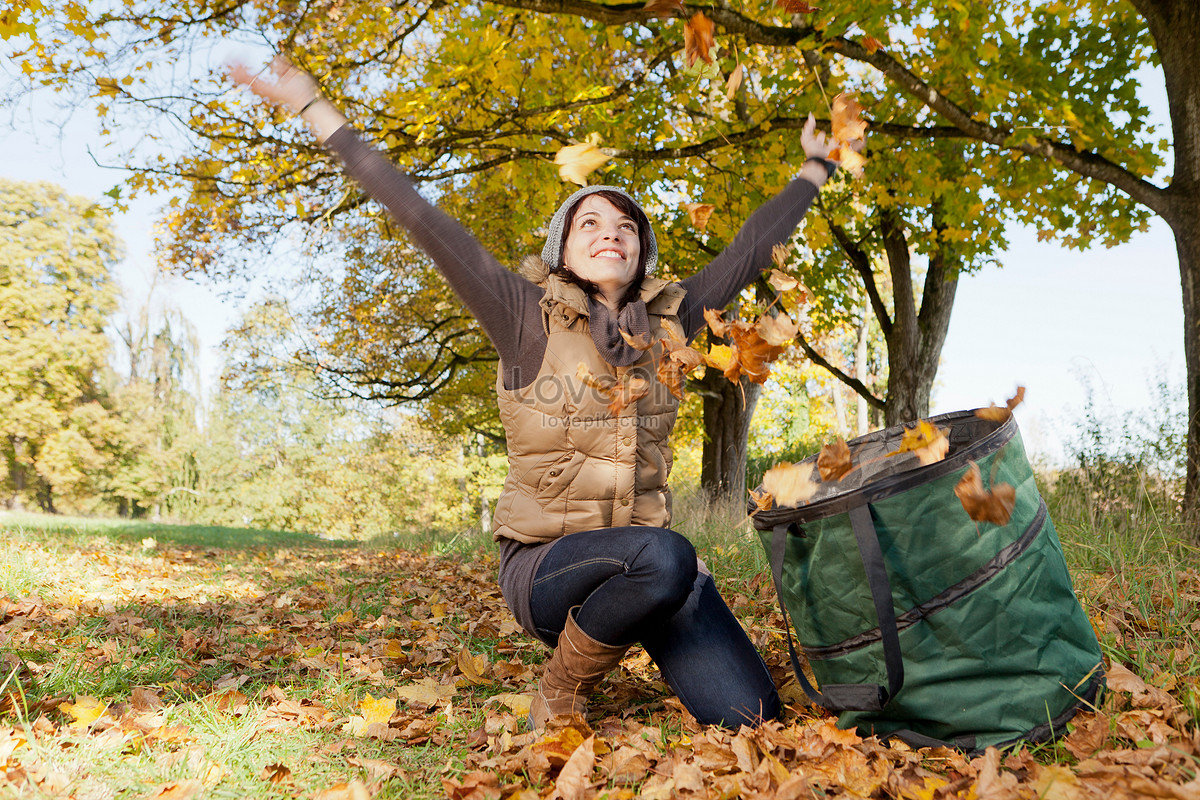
[(461, 95), (56, 254)]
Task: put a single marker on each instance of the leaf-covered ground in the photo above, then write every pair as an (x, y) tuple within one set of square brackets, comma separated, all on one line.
[(165, 670)]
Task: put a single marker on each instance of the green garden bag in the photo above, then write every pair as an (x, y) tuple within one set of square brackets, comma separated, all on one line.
[(918, 622)]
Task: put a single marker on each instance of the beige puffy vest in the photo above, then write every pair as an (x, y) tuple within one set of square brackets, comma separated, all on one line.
[(572, 464)]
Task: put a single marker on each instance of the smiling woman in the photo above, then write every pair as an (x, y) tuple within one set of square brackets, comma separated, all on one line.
[(588, 562)]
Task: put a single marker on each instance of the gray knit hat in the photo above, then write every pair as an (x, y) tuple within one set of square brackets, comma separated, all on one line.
[(554, 237)]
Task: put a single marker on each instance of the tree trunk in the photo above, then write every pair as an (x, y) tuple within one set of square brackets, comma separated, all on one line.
[(728, 408), (1175, 26), (862, 418), (915, 339)]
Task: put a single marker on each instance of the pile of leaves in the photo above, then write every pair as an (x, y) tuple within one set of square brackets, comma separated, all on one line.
[(173, 672)]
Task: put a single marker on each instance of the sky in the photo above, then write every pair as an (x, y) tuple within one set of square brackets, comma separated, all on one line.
[(1050, 319)]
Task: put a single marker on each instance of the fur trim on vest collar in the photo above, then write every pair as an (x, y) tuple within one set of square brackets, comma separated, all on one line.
[(661, 297)]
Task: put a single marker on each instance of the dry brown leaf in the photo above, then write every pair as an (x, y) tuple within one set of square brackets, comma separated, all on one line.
[(625, 394), (698, 39), (790, 484), (177, 790), (763, 500), (995, 506), (716, 322), (924, 440), (577, 161), (354, 790), (473, 667), (871, 43), (781, 281), (995, 413), (575, 778), (835, 460), (699, 213), (639, 342), (845, 122), (796, 6), (777, 330), (735, 82), (276, 773), (664, 8)]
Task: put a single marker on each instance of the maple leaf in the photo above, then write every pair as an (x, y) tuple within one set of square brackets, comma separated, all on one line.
[(790, 484), (845, 121), (780, 254), (796, 6), (716, 322), (276, 773), (699, 213), (84, 711), (664, 8), (753, 351), (720, 356), (473, 667), (517, 703), (354, 790), (781, 281), (777, 330), (849, 159), (698, 39), (734, 82), (476, 785), (625, 394), (639, 342), (575, 778), (924, 440), (763, 500), (835, 460), (871, 43), (577, 161), (425, 692), (994, 506), (996, 414)]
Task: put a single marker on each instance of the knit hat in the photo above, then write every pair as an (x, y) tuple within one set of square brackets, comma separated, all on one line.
[(554, 237)]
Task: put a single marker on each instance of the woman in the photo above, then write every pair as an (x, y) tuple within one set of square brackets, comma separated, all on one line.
[(588, 564)]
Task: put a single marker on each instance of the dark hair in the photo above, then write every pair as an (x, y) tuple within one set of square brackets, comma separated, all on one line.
[(630, 209)]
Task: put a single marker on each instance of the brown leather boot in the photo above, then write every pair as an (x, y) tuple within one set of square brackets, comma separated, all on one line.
[(578, 664)]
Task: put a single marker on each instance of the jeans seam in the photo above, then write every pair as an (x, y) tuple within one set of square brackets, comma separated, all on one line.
[(570, 567)]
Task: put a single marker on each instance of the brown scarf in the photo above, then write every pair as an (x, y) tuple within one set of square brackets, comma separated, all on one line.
[(606, 331)]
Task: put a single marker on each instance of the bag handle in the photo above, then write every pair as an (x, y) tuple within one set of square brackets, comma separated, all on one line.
[(851, 696)]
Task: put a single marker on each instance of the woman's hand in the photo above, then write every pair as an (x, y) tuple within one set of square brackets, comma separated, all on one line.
[(813, 141), (294, 90)]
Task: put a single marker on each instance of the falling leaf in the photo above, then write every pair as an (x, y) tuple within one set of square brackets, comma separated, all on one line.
[(994, 506), (664, 8), (996, 414), (699, 213), (716, 322), (845, 121), (835, 460), (84, 711), (781, 281), (721, 357), (576, 775), (796, 6), (734, 82), (626, 393), (777, 330), (639, 342), (276, 773), (871, 43), (924, 440), (850, 160), (780, 254), (763, 500), (577, 161), (698, 39), (790, 484)]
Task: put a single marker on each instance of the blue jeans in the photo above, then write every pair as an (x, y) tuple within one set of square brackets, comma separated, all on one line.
[(640, 584)]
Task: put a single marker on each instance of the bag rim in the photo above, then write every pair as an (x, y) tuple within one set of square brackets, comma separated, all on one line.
[(894, 484)]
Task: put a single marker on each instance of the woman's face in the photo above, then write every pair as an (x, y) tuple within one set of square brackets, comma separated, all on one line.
[(602, 246)]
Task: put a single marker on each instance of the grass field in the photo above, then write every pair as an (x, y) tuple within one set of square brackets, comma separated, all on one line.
[(146, 660)]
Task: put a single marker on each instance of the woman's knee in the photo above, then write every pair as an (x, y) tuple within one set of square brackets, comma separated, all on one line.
[(667, 560)]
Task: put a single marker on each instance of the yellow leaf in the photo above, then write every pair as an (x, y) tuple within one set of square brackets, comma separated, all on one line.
[(926, 441), (699, 213), (377, 710), (517, 703), (734, 82), (84, 711), (720, 356), (577, 161), (790, 484), (473, 667), (345, 617), (425, 692)]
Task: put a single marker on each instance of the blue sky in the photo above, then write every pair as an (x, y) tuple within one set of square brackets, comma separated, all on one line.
[(1049, 319)]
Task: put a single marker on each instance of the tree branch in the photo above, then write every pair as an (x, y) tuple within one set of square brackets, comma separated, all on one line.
[(853, 383)]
